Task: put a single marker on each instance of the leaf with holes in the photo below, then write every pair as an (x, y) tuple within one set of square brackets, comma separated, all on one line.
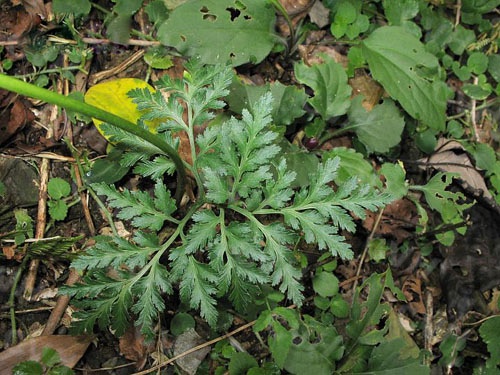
[(226, 30), (399, 61)]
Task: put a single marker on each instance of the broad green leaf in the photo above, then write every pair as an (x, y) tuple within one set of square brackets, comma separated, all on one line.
[(352, 164), (329, 82), (379, 129), (395, 179), (75, 7), (399, 13), (128, 7), (108, 170), (397, 60), (181, 322), (241, 362), (489, 333), (389, 358), (112, 97), (58, 209), (58, 188), (314, 350), (450, 347), (288, 101), (226, 30), (325, 284)]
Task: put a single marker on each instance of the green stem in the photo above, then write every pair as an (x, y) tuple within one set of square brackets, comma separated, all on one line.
[(52, 70), (12, 297), (27, 89)]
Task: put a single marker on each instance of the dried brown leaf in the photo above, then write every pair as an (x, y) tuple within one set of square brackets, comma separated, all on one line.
[(70, 349), (450, 156)]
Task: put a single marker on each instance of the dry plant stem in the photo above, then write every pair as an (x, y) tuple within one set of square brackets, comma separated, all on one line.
[(12, 297), (473, 115), (117, 69), (458, 8), (60, 307), (365, 250), (196, 348), (41, 218), (63, 300), (429, 328)]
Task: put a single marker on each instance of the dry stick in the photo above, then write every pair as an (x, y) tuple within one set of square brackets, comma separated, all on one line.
[(365, 250), (117, 69), (429, 328), (63, 300), (458, 8), (196, 348), (473, 114), (41, 218)]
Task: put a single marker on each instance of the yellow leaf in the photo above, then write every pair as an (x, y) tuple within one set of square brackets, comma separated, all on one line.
[(111, 96)]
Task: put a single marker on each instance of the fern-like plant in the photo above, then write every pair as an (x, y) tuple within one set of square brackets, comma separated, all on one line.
[(236, 236)]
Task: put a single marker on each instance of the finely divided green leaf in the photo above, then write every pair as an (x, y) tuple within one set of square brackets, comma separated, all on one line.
[(144, 211)]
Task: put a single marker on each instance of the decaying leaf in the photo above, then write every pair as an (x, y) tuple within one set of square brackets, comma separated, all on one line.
[(450, 156), (70, 349), (133, 347), (412, 289)]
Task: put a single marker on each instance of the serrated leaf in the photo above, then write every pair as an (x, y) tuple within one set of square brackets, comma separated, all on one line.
[(198, 287), (155, 168), (150, 303), (379, 129), (489, 333), (329, 82), (395, 58), (139, 206), (238, 32), (57, 209)]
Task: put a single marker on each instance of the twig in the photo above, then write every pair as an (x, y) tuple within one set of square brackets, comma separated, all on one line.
[(473, 114), (196, 348), (365, 250), (458, 13), (41, 221), (60, 307), (63, 300), (117, 69), (429, 328)]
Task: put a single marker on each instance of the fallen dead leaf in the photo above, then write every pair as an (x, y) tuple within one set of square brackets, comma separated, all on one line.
[(365, 85), (399, 220), (133, 348), (14, 120), (70, 349), (412, 289), (450, 156)]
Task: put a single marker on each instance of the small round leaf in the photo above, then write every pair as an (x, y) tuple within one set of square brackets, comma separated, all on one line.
[(326, 284)]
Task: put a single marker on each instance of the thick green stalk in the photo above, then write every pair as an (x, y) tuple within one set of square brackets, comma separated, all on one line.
[(27, 89)]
